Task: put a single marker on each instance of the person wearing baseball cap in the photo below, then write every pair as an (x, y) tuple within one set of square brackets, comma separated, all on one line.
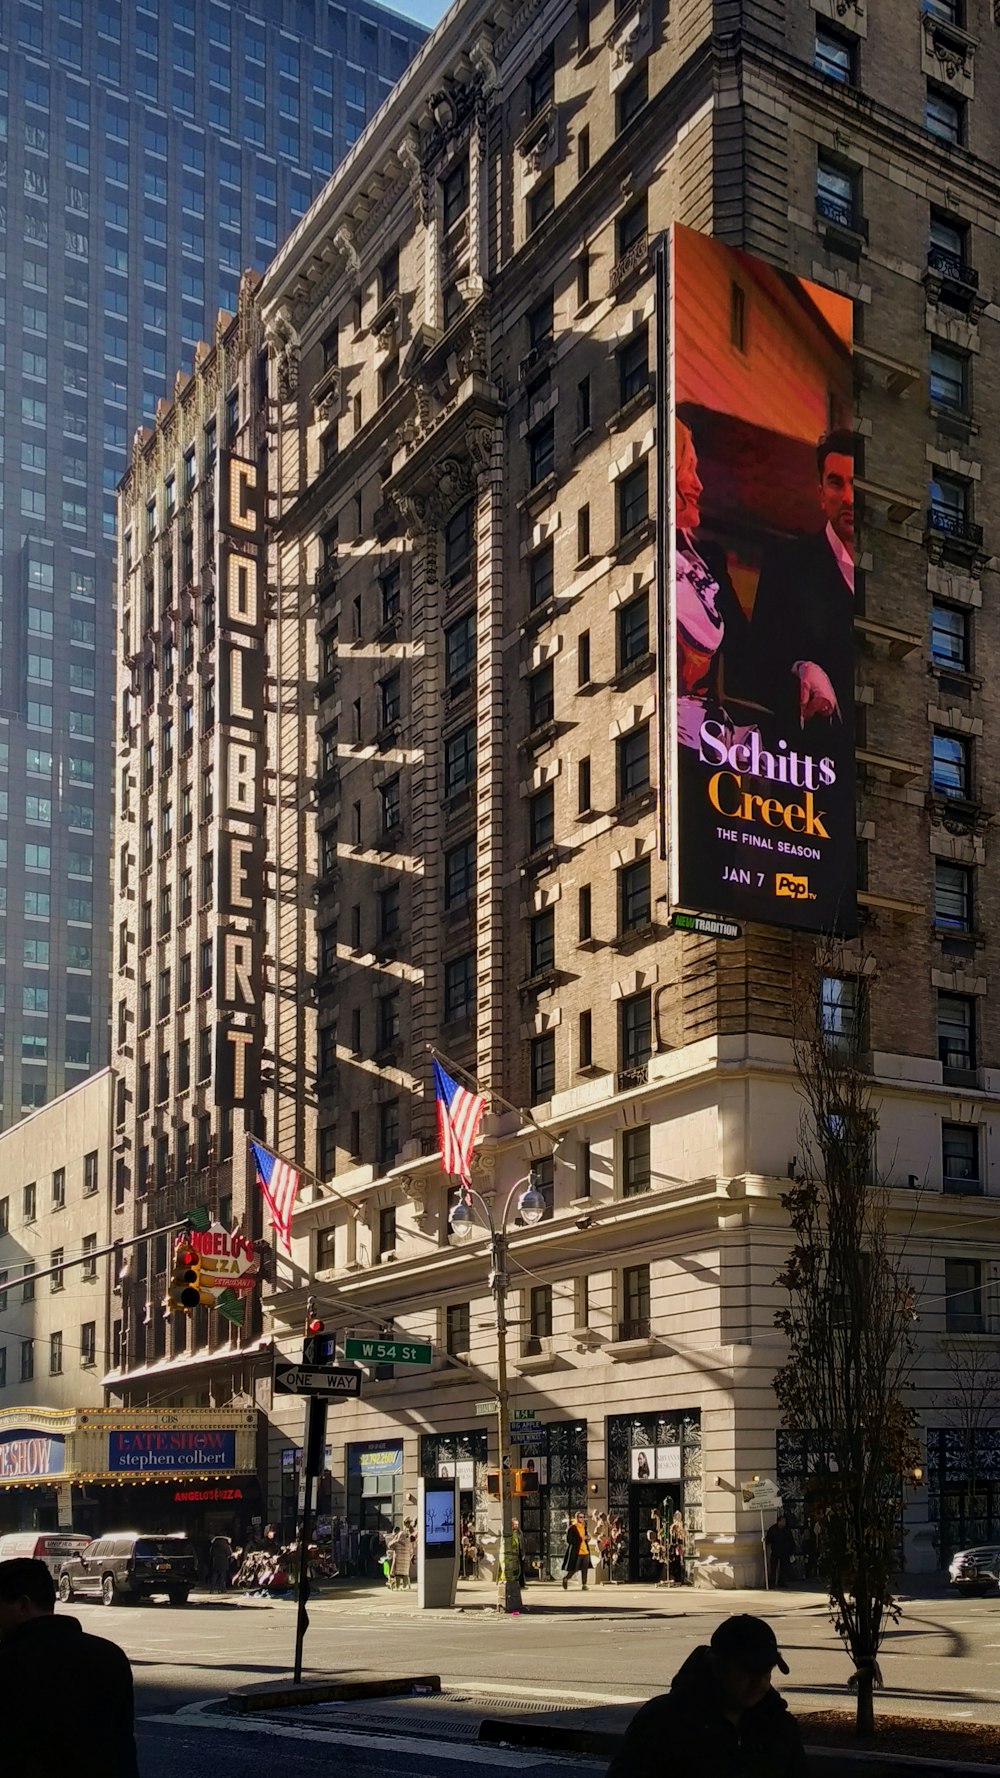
[(721, 1717)]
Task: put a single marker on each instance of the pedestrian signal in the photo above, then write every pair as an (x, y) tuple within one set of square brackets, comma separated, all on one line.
[(525, 1481), (185, 1287)]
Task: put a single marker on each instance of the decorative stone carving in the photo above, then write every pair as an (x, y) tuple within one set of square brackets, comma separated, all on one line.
[(344, 241), (283, 343), (629, 41)]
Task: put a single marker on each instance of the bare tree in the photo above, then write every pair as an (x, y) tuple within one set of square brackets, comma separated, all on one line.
[(849, 1326)]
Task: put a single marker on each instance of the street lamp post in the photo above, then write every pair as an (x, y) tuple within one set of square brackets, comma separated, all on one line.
[(462, 1219)]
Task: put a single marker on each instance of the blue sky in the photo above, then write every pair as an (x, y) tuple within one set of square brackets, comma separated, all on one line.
[(427, 12)]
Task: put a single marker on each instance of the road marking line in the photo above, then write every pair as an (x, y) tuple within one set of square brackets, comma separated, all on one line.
[(415, 1745)]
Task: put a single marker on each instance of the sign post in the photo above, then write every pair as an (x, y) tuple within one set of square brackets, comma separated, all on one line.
[(320, 1384), (761, 1496)]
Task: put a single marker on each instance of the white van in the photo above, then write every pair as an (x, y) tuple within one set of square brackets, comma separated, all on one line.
[(51, 1547)]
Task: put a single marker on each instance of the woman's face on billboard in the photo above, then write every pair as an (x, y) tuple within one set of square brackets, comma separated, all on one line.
[(688, 482)]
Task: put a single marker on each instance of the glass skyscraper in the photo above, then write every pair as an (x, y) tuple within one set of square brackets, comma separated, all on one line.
[(152, 148)]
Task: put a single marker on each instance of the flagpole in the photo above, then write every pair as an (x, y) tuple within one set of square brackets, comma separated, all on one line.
[(309, 1178), (490, 1093)]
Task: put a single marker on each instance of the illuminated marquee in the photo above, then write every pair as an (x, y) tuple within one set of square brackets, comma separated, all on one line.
[(239, 761)]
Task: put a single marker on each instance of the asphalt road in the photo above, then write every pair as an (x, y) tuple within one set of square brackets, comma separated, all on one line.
[(596, 1656)]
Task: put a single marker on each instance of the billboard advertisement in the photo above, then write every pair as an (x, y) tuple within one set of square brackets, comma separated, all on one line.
[(759, 645)]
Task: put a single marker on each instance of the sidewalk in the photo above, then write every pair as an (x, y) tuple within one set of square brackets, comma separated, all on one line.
[(597, 1601)]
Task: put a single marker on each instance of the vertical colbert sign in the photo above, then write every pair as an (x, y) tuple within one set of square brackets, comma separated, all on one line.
[(239, 779), (759, 625)]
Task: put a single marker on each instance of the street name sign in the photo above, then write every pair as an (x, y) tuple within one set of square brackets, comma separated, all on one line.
[(386, 1352), (486, 1407), (323, 1379), (522, 1413)]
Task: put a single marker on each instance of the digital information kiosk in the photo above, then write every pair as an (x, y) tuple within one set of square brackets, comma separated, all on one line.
[(437, 1543)]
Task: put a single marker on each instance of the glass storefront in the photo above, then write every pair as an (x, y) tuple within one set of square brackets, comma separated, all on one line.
[(654, 1470), (963, 1486), (375, 1485), (558, 1454)]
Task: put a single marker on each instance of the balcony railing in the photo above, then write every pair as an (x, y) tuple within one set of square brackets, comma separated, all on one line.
[(632, 260), (952, 267), (954, 525), (636, 1329), (841, 212), (627, 1078)]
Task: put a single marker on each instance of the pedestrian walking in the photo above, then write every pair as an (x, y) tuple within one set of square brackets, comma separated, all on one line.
[(780, 1546), (221, 1563), (66, 1700), (676, 1542), (577, 1555), (400, 1549), (721, 1717)]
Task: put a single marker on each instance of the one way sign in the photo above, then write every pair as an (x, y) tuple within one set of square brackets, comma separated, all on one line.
[(321, 1379)]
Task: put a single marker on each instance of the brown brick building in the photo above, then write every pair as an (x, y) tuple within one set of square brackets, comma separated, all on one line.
[(462, 793)]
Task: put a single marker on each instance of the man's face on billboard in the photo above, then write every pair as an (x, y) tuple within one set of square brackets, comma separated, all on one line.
[(836, 495)]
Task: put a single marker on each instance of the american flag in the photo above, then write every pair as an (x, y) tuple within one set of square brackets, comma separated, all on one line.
[(279, 1183), (458, 1117)]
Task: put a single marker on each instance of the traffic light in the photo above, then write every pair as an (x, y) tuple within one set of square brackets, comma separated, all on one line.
[(525, 1481), (185, 1289), (318, 1347)]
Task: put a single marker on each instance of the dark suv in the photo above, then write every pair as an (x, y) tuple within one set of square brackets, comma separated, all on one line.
[(128, 1566)]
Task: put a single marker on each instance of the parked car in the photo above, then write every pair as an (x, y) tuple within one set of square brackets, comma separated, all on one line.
[(976, 1570), (131, 1565), (51, 1547)]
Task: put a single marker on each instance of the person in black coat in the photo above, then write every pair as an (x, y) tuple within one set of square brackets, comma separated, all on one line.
[(66, 1701), (721, 1718), (802, 626)]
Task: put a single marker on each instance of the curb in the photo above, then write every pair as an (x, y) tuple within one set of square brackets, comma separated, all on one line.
[(605, 1743), (330, 1691)]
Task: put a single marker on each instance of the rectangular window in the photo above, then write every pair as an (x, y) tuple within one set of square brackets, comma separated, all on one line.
[(963, 1296), (29, 1201), (632, 631), (541, 818), (455, 195), (55, 1354), (541, 84), (960, 1158), (950, 765), (27, 1361), (541, 324), (460, 650), (635, 1303), (838, 1011), (582, 406), (542, 942), (459, 759), (948, 378), (583, 658), (635, 908), (635, 1030), (543, 1066), (458, 538), (944, 116), (583, 912), (58, 1278), (584, 794), (541, 203), (834, 55), (387, 1229), (459, 871), (633, 366), (459, 987), (387, 1134), (633, 762), (585, 1038), (953, 895), (541, 697), (633, 500), (956, 1030), (631, 228), (542, 451), (457, 1341), (950, 638), (90, 1174), (88, 1344), (632, 97), (58, 1188), (541, 575), (636, 1176), (949, 504), (540, 1312), (836, 193)]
